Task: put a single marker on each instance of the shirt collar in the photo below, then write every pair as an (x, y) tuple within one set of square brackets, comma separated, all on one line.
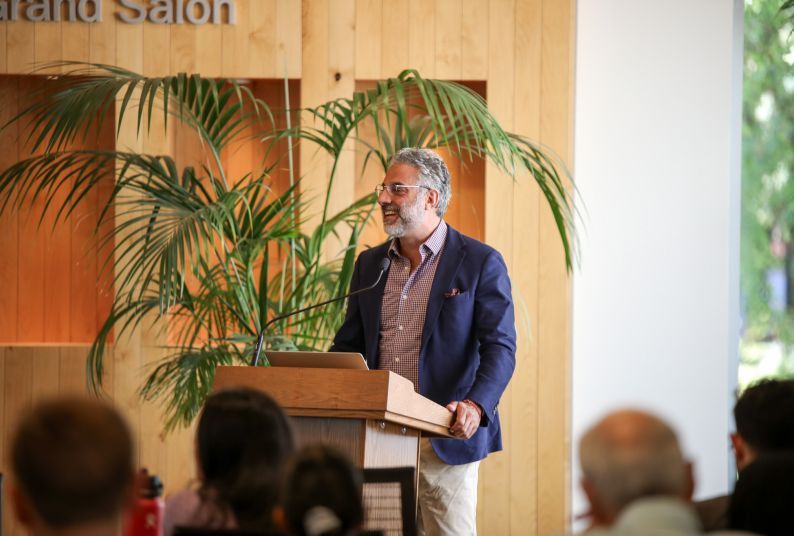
[(434, 242)]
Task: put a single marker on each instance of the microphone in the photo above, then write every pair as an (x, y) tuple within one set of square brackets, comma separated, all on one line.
[(384, 267)]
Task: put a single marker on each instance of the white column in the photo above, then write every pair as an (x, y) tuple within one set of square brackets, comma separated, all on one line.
[(657, 164)]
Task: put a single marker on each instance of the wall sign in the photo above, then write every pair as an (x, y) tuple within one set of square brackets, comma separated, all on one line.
[(129, 11)]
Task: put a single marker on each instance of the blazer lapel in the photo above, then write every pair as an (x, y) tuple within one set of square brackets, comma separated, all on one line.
[(451, 259)]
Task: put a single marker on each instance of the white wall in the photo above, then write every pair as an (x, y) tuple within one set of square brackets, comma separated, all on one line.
[(657, 164)]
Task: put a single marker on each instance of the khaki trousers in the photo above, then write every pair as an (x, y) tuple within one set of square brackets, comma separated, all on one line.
[(447, 495)]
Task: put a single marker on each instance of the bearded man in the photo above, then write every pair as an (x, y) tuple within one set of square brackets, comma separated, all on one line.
[(443, 318)]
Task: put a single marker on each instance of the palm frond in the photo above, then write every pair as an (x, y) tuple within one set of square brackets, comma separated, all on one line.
[(219, 255)]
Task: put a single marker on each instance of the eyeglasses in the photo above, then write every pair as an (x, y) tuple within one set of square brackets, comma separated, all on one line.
[(398, 190)]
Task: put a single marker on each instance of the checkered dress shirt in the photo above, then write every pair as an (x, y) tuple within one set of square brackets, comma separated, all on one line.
[(405, 304)]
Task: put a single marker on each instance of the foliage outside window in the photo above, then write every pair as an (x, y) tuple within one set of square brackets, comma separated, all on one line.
[(767, 257)]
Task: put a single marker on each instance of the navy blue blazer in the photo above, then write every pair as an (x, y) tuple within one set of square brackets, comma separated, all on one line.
[(468, 340)]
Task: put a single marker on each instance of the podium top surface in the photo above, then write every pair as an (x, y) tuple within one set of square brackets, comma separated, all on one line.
[(342, 393)]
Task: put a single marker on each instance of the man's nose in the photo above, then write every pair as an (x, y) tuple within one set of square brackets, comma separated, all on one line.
[(384, 197)]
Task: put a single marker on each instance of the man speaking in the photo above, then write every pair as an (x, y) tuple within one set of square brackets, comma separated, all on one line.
[(444, 319)]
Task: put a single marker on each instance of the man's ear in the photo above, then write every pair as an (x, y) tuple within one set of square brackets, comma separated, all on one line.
[(431, 201), (23, 510), (741, 451), (597, 513)]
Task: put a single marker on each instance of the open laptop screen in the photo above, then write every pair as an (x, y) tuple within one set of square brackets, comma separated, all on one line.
[(337, 360)]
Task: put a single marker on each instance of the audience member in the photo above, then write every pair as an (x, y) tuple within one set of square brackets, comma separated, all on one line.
[(72, 462), (764, 495), (635, 476), (322, 495), (243, 443), (764, 416)]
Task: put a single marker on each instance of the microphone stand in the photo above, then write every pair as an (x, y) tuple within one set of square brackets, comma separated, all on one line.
[(384, 266)]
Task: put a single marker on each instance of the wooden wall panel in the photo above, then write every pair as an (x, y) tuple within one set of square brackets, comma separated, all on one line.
[(496, 475), (394, 55), (9, 227), (422, 37), (522, 53), (554, 298), (75, 41), (449, 38), (288, 39), (53, 269), (31, 373), (101, 37), (156, 39), (523, 440), (369, 28)]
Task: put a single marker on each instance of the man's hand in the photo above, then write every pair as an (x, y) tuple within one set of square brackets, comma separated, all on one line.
[(467, 418)]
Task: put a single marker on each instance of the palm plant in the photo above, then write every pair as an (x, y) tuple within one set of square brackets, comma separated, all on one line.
[(197, 246)]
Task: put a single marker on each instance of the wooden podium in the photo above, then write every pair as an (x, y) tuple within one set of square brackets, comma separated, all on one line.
[(372, 415)]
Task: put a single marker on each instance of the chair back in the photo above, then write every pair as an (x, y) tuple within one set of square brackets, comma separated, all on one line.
[(390, 500)]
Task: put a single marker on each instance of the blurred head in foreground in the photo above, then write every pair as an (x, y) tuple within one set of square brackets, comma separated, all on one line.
[(72, 463), (764, 415), (322, 494), (630, 455), (243, 444)]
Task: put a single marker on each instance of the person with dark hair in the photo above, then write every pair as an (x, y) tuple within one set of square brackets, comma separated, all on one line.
[(321, 495), (243, 442), (761, 502), (72, 462), (764, 415)]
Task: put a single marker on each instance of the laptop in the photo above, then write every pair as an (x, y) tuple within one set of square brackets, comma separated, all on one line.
[(336, 360)]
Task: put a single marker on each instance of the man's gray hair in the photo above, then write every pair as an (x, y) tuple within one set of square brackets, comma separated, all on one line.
[(433, 172), (629, 455)]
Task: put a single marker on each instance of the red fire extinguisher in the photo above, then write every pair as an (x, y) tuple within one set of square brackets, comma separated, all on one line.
[(146, 517)]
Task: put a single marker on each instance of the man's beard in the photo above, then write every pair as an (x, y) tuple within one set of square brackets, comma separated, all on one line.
[(408, 216)]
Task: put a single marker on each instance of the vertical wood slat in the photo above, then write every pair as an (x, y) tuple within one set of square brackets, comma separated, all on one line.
[(4, 431), (18, 395), (20, 46), (30, 249), (262, 39), (523, 440), (314, 90), (47, 47), (9, 227), (75, 41), (554, 285), (71, 365), (495, 473), (422, 36), (288, 39), (129, 46), (449, 39), (474, 40), (183, 49), (156, 40), (368, 35), (102, 37), (209, 51), (57, 240), (394, 54), (3, 53), (239, 40), (341, 84)]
